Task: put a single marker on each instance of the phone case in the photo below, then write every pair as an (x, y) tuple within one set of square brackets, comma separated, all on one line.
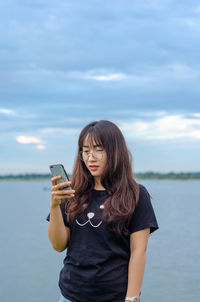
[(59, 169)]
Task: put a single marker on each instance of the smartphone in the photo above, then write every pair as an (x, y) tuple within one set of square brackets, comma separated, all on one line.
[(59, 169)]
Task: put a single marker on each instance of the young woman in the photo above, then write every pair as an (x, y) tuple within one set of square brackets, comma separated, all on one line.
[(104, 222)]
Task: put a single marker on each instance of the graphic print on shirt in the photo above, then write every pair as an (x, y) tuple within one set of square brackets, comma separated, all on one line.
[(90, 215)]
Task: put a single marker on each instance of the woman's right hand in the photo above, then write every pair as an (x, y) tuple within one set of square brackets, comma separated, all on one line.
[(56, 194)]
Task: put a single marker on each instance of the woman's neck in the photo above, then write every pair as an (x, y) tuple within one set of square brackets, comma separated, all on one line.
[(98, 185)]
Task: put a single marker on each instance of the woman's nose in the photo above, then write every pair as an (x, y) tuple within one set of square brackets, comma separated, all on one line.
[(90, 153)]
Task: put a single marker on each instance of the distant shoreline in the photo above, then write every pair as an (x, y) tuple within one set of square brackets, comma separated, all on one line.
[(144, 175)]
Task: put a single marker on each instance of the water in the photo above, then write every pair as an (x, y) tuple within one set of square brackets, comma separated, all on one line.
[(29, 267)]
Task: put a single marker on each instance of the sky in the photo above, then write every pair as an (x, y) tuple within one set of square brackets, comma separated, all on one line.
[(64, 64)]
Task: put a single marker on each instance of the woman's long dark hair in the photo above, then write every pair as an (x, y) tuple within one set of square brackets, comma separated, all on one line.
[(117, 178)]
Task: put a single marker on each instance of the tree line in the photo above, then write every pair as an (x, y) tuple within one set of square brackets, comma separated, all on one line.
[(144, 175)]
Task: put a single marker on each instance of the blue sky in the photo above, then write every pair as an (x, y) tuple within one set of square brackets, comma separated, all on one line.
[(67, 63)]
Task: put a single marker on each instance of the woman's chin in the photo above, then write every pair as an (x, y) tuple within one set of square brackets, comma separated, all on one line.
[(95, 173)]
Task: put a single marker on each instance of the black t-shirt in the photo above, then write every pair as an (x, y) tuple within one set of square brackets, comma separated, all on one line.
[(96, 264)]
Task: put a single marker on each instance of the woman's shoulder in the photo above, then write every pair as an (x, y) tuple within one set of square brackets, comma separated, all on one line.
[(143, 215), (143, 193), (144, 201)]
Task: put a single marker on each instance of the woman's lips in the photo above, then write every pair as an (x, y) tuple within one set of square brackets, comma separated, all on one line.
[(93, 168)]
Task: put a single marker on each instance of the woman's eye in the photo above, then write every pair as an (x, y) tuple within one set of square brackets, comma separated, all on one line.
[(99, 150)]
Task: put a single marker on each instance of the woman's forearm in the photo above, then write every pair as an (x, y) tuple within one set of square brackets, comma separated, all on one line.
[(58, 233), (136, 272)]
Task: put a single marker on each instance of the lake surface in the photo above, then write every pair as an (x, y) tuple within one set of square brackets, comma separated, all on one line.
[(29, 267)]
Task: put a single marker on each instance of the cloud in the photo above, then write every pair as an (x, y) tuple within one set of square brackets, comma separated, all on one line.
[(31, 140), (19, 113), (7, 112), (27, 140), (41, 147), (192, 22), (170, 127), (197, 10), (58, 131), (97, 75), (171, 72), (107, 77), (143, 76), (180, 70), (196, 114), (136, 112)]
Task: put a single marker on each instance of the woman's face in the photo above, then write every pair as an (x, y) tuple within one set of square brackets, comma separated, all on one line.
[(94, 157)]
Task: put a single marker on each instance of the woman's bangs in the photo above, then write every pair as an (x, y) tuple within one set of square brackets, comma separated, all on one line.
[(93, 138)]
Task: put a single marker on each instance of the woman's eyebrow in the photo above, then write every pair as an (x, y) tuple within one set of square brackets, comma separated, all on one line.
[(98, 145)]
